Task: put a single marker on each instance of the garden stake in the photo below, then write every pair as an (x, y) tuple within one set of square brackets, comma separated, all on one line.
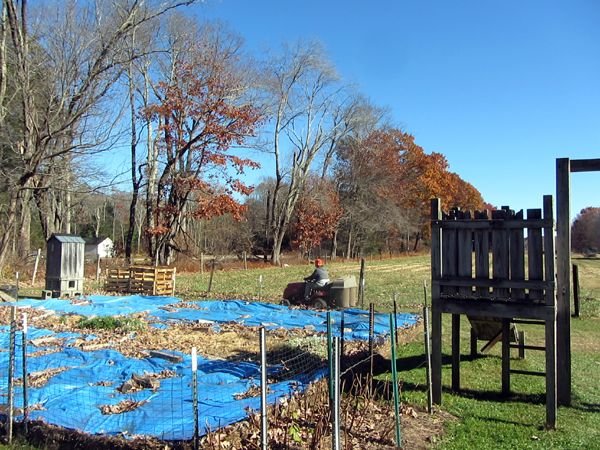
[(263, 390), (260, 280), (330, 357), (195, 396), (395, 382), (427, 349), (35, 266), (24, 376)]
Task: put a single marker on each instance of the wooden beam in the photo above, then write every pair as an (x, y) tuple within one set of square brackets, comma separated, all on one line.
[(563, 274), (487, 282), (492, 224), (487, 308), (456, 352), (584, 165)]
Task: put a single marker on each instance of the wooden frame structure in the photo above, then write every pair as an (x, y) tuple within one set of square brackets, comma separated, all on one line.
[(478, 269), (564, 168)]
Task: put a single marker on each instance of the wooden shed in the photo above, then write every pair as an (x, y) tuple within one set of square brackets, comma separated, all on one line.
[(64, 265)]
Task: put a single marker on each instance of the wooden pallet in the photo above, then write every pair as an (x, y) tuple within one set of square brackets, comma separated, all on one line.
[(144, 280)]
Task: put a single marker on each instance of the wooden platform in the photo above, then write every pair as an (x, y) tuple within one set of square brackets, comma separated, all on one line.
[(144, 280)]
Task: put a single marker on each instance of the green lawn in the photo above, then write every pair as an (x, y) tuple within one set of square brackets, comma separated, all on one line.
[(484, 419)]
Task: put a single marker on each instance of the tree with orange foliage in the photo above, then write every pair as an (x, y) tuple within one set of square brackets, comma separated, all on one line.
[(317, 216), (387, 176), (199, 117)]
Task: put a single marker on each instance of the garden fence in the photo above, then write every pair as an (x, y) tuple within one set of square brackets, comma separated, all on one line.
[(103, 393)]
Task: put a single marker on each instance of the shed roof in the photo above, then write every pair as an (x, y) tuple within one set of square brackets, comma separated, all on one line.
[(67, 238)]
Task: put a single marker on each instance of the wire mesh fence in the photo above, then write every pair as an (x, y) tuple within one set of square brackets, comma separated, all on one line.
[(280, 394)]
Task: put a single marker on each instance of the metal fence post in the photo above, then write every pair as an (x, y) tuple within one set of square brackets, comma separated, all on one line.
[(361, 283), (11, 367), (395, 381), (335, 442), (264, 438), (195, 397), (330, 357), (24, 376), (371, 336)]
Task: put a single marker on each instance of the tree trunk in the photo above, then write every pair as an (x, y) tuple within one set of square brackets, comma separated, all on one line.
[(417, 240), (349, 246), (9, 226), (24, 235), (334, 245), (135, 179)]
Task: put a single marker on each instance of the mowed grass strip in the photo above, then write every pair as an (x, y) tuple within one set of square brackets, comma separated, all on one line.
[(383, 278)]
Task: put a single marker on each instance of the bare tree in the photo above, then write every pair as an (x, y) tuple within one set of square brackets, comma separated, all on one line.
[(311, 111), (64, 72)]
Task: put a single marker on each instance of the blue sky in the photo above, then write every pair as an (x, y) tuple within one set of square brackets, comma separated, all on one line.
[(501, 88)]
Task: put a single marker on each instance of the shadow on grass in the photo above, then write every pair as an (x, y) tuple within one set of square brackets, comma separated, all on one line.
[(418, 361), (409, 363)]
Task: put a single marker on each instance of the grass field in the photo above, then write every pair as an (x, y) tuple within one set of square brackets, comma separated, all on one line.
[(485, 420)]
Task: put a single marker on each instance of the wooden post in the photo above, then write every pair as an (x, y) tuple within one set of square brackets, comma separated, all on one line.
[(505, 357), (426, 336), (456, 352), (436, 312), (473, 343), (245, 262), (552, 370), (201, 263), (212, 272), (576, 290), (563, 273), (35, 265), (361, 283), (97, 267), (174, 279)]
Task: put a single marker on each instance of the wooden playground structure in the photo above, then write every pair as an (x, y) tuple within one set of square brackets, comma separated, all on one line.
[(502, 270)]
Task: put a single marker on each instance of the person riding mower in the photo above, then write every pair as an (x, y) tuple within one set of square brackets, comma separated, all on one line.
[(318, 279)]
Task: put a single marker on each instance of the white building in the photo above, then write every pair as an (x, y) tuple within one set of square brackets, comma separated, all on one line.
[(102, 247)]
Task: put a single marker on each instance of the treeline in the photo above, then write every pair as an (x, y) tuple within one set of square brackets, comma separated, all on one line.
[(194, 112)]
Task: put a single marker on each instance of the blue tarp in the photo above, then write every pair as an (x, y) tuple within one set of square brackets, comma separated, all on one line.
[(167, 309), (86, 382)]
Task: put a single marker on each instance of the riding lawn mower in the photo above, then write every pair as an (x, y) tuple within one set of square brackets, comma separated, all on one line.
[(340, 293)]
